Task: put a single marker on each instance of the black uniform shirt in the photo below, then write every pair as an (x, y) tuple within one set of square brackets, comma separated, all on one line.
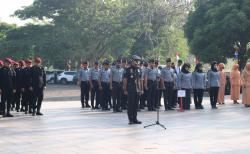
[(7, 79), (19, 77), (133, 75), (38, 77), (27, 77)]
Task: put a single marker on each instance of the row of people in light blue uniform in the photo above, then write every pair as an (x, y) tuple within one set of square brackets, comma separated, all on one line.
[(107, 83)]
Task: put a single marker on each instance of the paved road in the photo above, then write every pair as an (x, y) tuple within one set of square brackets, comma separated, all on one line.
[(66, 128)]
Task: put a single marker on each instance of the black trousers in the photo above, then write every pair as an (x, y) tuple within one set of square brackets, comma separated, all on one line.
[(124, 101), (187, 100), (28, 99), (151, 94), (168, 94), (6, 98), (95, 94), (38, 98), (17, 99), (84, 93), (143, 99), (116, 95), (105, 95), (213, 92), (133, 100), (198, 97)]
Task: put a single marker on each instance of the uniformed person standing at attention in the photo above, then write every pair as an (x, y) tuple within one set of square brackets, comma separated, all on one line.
[(124, 100), (28, 91), (19, 85), (143, 97), (116, 78), (94, 77), (168, 79), (104, 85), (151, 85), (133, 88), (7, 86), (83, 82), (38, 77)]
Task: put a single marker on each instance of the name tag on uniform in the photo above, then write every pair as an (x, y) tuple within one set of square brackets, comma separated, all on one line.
[(181, 93)]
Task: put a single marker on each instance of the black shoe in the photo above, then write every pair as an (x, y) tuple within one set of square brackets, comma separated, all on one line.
[(39, 114), (26, 112), (131, 122), (87, 106), (170, 108), (119, 110), (17, 110), (214, 107), (8, 115), (33, 114), (137, 122)]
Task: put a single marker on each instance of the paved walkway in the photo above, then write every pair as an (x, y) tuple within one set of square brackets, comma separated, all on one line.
[(66, 128)]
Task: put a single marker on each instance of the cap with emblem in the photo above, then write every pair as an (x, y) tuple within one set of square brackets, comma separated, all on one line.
[(38, 60), (1, 63), (8, 60), (28, 61), (105, 62), (135, 57)]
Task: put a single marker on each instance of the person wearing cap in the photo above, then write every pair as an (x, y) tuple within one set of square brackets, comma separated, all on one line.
[(83, 82), (104, 85), (124, 99), (151, 85), (143, 97), (22, 65), (19, 85), (116, 78), (14, 65), (27, 87), (133, 88), (168, 79), (94, 76), (7, 87), (38, 76), (159, 86)]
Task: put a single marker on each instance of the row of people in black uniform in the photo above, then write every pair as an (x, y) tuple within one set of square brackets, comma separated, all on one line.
[(21, 86)]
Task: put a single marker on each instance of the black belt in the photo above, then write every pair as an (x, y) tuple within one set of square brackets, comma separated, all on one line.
[(117, 82), (152, 80)]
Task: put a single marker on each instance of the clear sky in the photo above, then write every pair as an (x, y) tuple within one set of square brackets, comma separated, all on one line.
[(8, 7)]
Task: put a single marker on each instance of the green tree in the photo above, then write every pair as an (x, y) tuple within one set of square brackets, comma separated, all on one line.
[(214, 26)]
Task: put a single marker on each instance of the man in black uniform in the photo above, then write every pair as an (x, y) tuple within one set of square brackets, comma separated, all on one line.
[(7, 86), (133, 88), (19, 85), (28, 91), (38, 76)]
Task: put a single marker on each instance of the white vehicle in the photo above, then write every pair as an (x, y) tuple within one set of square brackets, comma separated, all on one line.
[(67, 77)]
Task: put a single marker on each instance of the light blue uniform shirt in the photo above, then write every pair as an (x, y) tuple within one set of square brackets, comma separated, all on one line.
[(84, 74), (104, 75)]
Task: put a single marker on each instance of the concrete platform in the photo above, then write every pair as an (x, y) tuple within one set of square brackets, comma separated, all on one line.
[(66, 129)]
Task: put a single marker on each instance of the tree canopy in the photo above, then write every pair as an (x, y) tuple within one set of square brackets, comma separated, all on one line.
[(215, 25), (97, 29)]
